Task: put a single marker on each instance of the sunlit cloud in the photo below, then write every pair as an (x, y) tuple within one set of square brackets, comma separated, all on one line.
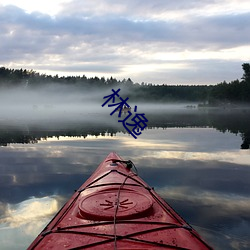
[(45, 6), (188, 56)]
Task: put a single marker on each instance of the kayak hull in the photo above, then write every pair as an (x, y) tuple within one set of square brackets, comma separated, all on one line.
[(116, 209)]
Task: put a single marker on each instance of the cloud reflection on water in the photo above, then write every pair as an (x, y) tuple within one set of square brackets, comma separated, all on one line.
[(21, 222), (28, 211), (207, 184)]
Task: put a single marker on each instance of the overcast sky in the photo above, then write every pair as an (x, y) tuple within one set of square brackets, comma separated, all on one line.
[(154, 41)]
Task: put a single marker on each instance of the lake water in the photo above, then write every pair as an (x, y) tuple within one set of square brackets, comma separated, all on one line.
[(193, 158)]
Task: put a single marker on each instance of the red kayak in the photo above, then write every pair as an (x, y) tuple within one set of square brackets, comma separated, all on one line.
[(116, 209)]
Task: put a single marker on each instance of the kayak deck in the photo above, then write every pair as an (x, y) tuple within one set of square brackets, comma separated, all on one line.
[(116, 209)]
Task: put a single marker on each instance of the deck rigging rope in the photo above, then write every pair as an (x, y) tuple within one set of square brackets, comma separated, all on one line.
[(129, 165)]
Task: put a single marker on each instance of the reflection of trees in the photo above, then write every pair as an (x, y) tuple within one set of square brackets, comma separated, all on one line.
[(234, 121), (246, 141), (8, 137), (237, 123), (35, 133)]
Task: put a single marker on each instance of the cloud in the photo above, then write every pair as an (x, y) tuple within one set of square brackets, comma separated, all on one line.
[(147, 9), (125, 39)]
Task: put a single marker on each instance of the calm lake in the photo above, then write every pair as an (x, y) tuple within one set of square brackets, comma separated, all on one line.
[(198, 160)]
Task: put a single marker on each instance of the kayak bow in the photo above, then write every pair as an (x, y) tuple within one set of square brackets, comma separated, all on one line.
[(116, 209)]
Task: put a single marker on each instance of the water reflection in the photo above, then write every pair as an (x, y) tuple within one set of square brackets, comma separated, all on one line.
[(195, 167), (20, 222), (31, 210), (82, 125)]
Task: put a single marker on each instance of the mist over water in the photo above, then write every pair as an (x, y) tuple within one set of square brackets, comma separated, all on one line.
[(66, 104), (58, 107), (191, 156), (55, 102)]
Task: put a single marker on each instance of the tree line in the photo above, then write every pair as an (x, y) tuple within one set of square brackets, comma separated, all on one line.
[(236, 91)]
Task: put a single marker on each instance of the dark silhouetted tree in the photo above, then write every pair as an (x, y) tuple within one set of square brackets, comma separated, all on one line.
[(246, 69)]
